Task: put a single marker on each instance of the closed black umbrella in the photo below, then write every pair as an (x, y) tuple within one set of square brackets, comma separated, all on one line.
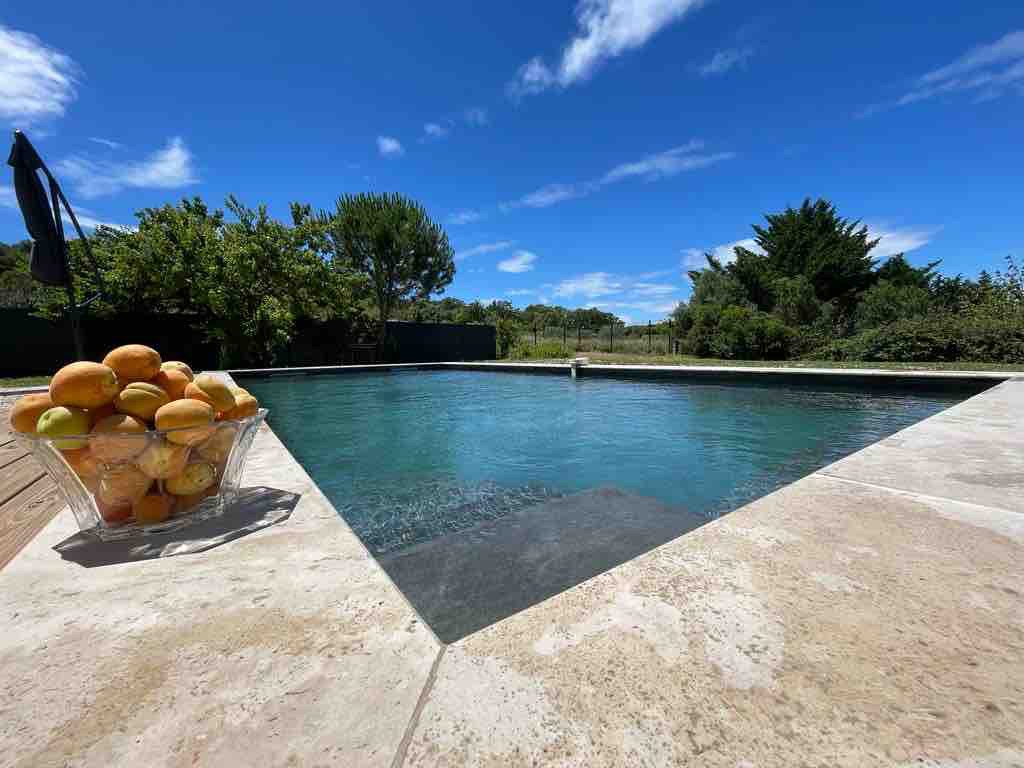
[(49, 260)]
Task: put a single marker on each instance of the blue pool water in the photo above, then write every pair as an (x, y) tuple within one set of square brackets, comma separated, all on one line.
[(409, 457)]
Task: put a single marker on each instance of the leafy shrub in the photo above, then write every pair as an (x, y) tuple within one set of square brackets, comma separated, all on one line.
[(939, 338), (506, 333), (544, 350), (795, 300), (886, 302), (738, 333)]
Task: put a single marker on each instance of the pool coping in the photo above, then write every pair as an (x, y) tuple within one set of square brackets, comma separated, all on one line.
[(501, 695), (636, 370)]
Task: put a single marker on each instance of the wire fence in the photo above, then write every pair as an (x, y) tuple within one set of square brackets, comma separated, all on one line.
[(652, 339)]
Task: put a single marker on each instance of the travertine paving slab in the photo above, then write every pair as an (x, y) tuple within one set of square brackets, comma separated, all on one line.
[(830, 623), (973, 452), (286, 647)]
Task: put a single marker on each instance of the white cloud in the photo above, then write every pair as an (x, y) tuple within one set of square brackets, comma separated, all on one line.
[(650, 168), (726, 59), (591, 285), (893, 240), (647, 307), (1007, 48), (475, 116), (668, 163), (36, 82), (896, 240), (605, 29), (520, 292), (550, 195), (520, 261), (693, 258), (105, 142), (389, 146), (465, 216), (988, 70), (635, 290), (166, 168), (502, 245), (653, 289), (432, 131), (87, 220)]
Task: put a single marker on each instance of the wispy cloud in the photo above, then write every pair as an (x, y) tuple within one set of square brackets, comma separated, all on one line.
[(693, 258), (36, 82), (591, 285), (465, 216), (167, 168), (893, 240), (661, 165), (7, 197), (521, 292), (605, 29), (654, 289), (388, 146), (476, 250), (596, 285), (726, 59), (646, 307), (520, 261), (87, 219), (988, 71), (434, 130), (552, 194), (105, 142), (475, 116)]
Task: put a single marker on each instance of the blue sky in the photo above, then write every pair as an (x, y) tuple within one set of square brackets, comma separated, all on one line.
[(578, 153)]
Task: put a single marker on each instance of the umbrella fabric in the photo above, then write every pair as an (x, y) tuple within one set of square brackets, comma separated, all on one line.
[(49, 263)]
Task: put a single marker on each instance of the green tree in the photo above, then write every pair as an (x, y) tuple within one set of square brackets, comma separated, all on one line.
[(392, 240), (243, 283), (268, 275), (17, 286), (714, 285), (886, 301), (795, 301), (812, 241)]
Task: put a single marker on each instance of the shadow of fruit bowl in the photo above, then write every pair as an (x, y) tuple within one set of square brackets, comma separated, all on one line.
[(254, 509)]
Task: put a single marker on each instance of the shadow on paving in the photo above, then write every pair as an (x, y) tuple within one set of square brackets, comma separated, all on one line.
[(468, 580), (256, 509)]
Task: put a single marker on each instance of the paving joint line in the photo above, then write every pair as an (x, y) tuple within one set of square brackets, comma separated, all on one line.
[(421, 703), (918, 494)]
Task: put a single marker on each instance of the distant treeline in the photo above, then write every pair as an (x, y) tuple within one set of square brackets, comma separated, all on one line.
[(810, 289)]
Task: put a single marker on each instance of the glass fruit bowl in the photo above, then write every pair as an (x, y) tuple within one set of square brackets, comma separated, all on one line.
[(120, 485)]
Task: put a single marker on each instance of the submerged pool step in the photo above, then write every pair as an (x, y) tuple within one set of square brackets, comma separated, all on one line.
[(468, 580)]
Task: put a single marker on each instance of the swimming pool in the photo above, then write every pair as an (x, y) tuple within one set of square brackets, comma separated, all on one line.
[(482, 492)]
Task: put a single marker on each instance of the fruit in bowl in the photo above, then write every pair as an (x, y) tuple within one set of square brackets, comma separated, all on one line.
[(137, 442)]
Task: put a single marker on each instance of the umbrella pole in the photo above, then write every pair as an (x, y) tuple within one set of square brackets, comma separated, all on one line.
[(76, 320), (73, 309)]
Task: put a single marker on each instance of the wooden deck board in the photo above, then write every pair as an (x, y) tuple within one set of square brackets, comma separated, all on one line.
[(26, 515), (18, 476), (29, 499), (9, 453)]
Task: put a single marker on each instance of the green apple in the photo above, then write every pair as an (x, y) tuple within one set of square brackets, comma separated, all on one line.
[(61, 421)]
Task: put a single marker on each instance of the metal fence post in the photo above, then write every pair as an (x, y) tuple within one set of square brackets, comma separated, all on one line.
[(535, 335)]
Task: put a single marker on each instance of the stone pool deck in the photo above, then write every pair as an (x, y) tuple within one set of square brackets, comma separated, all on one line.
[(870, 614)]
